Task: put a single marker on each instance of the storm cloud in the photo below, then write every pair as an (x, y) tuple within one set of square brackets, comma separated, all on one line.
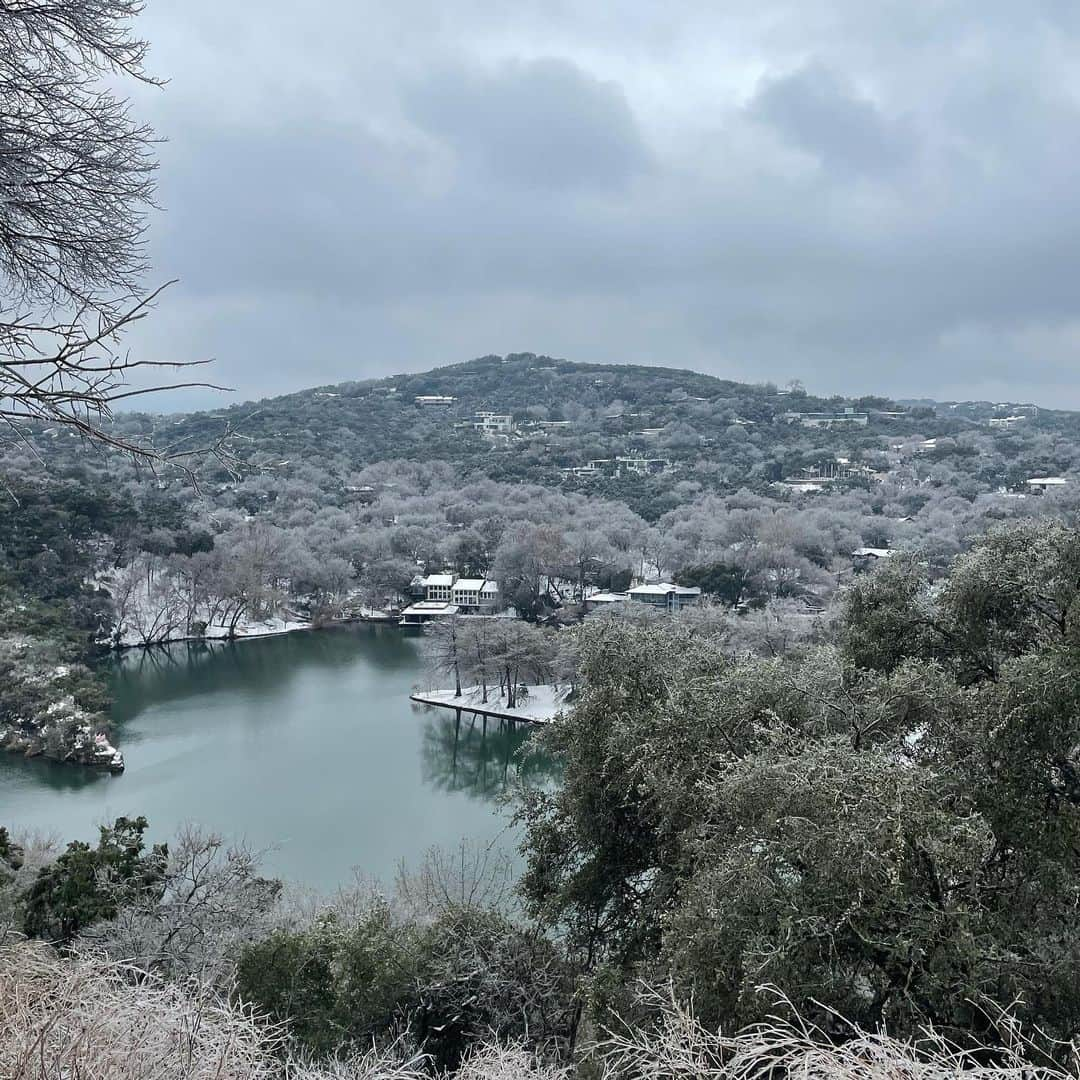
[(865, 197)]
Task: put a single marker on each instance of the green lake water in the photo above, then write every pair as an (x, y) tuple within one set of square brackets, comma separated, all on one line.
[(306, 744)]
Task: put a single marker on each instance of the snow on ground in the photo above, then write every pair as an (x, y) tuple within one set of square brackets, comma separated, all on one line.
[(245, 628), (540, 705), (152, 613), (251, 628)]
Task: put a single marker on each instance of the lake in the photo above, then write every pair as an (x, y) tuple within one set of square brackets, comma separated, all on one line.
[(305, 744)]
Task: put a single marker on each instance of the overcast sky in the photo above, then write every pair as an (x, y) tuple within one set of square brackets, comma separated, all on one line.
[(866, 196)]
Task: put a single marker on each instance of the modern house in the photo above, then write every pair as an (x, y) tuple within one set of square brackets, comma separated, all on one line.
[(1042, 484), (488, 423), (665, 595), (435, 399)]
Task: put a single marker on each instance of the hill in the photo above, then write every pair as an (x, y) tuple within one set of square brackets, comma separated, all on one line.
[(628, 432)]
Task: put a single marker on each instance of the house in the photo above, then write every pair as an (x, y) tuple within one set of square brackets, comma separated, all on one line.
[(865, 557), (361, 493), (603, 600), (434, 399), (1043, 484), (423, 611), (640, 466), (802, 486), (1005, 423), (665, 595), (488, 423), (438, 587), (475, 595), (849, 417)]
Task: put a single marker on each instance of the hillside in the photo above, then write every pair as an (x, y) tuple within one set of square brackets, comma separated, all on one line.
[(628, 432)]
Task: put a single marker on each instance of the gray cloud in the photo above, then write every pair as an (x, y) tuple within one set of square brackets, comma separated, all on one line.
[(543, 124), (867, 197), (818, 113)]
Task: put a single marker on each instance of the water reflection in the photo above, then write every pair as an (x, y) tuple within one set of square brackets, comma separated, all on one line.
[(306, 744), (480, 756), (151, 676)]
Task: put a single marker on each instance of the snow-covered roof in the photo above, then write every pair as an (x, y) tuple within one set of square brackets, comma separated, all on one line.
[(445, 580), (472, 584), (490, 587), (1048, 481), (873, 553), (431, 607), (664, 588), (606, 598)]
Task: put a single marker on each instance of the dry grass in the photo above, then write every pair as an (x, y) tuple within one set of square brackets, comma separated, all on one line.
[(90, 1019), (679, 1047)]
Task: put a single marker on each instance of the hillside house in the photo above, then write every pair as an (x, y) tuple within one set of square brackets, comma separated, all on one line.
[(1043, 484), (865, 557), (602, 601), (640, 466), (665, 595), (435, 399), (488, 423), (848, 418)]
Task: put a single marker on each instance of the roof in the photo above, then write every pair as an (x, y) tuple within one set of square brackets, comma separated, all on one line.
[(606, 598), (431, 607), (663, 589), (472, 584), (490, 586), (1048, 480), (445, 580), (873, 553)]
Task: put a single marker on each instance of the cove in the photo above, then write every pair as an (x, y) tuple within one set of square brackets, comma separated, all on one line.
[(304, 744)]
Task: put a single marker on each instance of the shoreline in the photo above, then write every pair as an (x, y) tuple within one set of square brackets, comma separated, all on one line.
[(297, 627), (542, 705)]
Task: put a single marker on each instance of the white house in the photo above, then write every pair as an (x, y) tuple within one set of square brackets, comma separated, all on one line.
[(435, 399), (475, 595), (1045, 483), (488, 423), (665, 595), (438, 587)]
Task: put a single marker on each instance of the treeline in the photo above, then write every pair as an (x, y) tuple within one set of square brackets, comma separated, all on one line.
[(173, 560)]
